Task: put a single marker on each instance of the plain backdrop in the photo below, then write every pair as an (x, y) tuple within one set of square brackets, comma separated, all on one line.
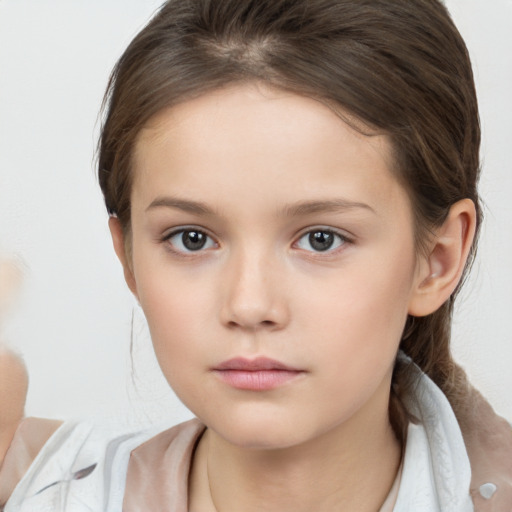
[(83, 337)]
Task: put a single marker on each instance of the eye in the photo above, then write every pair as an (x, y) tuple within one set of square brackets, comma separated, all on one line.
[(189, 240), (321, 240)]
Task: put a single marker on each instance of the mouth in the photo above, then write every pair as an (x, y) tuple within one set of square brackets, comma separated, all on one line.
[(260, 374)]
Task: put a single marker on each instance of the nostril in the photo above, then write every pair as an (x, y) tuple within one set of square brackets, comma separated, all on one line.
[(263, 323)]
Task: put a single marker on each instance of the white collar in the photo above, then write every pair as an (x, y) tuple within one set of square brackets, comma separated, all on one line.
[(436, 473)]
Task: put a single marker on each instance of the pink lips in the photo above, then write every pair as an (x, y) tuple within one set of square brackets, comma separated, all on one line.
[(261, 374)]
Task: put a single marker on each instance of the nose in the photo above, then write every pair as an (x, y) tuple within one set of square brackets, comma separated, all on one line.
[(254, 296)]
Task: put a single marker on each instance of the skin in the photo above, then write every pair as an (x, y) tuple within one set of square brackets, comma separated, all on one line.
[(13, 374), (13, 391), (292, 471), (257, 170)]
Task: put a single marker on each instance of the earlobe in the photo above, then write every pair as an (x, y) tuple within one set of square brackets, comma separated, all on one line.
[(118, 240), (440, 272)]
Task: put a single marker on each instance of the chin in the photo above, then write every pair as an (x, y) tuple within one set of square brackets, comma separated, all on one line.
[(250, 439), (260, 432)]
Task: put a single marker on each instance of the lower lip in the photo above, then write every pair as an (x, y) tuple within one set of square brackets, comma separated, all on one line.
[(257, 380)]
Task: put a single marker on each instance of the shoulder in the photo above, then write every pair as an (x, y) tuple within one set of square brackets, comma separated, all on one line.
[(162, 462), (27, 441), (436, 470), (81, 465), (479, 461), (84, 467), (178, 439)]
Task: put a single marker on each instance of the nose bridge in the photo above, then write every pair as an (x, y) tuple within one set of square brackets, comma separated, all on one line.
[(253, 295)]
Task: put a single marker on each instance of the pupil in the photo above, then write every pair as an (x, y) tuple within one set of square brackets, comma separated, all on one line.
[(321, 240), (193, 240)]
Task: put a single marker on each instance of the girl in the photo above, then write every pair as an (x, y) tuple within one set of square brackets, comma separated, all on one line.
[(292, 196)]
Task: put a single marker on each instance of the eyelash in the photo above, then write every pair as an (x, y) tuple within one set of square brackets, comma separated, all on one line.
[(342, 240), (209, 241), (337, 238)]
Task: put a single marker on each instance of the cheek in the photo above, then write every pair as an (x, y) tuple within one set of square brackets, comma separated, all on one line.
[(175, 311), (170, 297), (357, 336), (362, 312), (174, 323)]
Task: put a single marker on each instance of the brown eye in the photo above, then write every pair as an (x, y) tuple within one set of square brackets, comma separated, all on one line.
[(190, 240), (321, 240), (193, 240)]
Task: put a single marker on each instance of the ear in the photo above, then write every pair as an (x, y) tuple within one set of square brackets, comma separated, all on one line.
[(439, 273), (118, 239)]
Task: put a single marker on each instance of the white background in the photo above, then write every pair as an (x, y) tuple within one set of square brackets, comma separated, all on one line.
[(75, 319)]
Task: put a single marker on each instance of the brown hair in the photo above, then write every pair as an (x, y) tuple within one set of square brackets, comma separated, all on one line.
[(400, 66)]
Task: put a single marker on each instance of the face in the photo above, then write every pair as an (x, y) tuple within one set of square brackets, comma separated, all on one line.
[(273, 255)]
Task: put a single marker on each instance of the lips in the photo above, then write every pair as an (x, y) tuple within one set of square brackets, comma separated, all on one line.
[(254, 365), (260, 374)]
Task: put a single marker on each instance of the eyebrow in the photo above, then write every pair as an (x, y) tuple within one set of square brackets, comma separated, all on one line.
[(328, 206), (296, 209), (185, 205)]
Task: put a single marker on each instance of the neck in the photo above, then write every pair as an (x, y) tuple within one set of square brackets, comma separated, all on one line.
[(350, 467)]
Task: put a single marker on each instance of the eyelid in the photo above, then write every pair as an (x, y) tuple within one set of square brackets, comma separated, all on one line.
[(343, 235), (181, 229)]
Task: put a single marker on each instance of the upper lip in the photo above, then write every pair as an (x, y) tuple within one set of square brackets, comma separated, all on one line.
[(254, 365)]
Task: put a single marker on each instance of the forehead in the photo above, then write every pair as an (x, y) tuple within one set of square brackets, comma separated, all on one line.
[(246, 137)]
